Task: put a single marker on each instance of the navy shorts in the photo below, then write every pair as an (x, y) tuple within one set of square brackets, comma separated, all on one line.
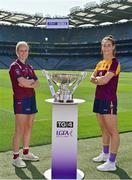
[(25, 105), (105, 106)]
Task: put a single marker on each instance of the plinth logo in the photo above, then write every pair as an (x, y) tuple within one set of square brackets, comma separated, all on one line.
[(64, 124), (64, 133)]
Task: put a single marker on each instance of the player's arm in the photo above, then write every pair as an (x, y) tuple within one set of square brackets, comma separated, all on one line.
[(104, 79), (36, 84), (93, 77), (23, 82), (94, 74)]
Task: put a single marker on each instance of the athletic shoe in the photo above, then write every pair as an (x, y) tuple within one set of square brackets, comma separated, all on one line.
[(18, 162), (107, 166), (30, 157), (101, 157)]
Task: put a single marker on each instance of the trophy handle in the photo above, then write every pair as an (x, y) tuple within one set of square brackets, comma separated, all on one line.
[(45, 73), (78, 82)]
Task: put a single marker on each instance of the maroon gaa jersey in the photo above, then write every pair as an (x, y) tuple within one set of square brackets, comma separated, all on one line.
[(19, 69)]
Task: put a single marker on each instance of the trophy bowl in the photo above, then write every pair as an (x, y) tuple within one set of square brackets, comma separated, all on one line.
[(63, 78), (67, 82)]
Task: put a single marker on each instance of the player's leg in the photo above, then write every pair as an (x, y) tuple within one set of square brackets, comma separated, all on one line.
[(111, 123), (28, 130), (30, 103), (105, 140), (20, 120), (27, 155), (104, 130)]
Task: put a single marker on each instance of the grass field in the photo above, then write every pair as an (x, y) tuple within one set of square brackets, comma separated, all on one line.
[(87, 149), (88, 126)]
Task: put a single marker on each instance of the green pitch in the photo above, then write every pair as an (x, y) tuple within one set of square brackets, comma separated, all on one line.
[(87, 149), (88, 127)]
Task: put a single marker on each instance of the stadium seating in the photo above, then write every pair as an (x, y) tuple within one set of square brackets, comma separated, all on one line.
[(65, 49)]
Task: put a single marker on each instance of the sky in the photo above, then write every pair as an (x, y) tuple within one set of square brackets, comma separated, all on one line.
[(45, 7)]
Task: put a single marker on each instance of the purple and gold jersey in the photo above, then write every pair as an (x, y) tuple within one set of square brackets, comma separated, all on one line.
[(18, 69), (108, 91)]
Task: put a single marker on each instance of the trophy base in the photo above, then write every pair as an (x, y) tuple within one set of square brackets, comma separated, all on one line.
[(62, 101), (68, 101), (80, 175)]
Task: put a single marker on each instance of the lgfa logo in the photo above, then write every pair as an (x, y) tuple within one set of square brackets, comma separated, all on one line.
[(64, 133)]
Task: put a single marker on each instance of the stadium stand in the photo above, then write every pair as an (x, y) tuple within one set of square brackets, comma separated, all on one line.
[(79, 52), (73, 48)]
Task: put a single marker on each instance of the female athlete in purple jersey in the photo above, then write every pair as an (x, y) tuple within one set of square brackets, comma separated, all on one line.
[(105, 77)]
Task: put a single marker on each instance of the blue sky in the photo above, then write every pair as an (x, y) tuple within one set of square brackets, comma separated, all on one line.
[(51, 7)]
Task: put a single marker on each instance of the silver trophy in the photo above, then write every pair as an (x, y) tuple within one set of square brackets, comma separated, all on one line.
[(66, 82)]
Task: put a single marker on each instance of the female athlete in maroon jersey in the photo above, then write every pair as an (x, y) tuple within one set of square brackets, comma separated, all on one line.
[(24, 81), (105, 77)]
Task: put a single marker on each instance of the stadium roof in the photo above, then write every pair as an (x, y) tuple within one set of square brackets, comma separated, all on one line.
[(108, 11)]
